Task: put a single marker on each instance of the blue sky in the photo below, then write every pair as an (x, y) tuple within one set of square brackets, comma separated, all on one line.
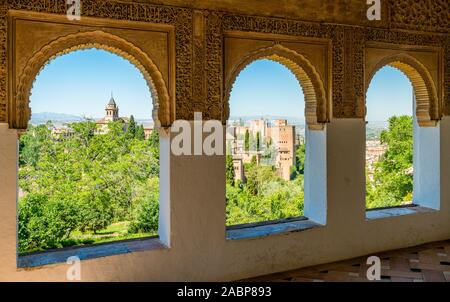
[(390, 93), (81, 83), (268, 88)]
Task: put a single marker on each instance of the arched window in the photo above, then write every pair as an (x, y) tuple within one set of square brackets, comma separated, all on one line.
[(89, 162), (267, 143), (402, 149)]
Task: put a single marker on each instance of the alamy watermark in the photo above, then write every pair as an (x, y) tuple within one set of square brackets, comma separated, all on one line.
[(374, 270), (74, 10), (374, 11), (73, 273), (208, 137)]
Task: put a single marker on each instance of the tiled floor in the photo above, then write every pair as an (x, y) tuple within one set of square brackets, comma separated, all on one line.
[(425, 263)]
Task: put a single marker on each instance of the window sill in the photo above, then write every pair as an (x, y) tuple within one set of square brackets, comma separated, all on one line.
[(264, 229), (380, 213), (88, 252)]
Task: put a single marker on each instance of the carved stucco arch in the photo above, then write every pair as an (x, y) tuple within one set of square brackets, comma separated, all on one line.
[(316, 104), (88, 40), (427, 102)]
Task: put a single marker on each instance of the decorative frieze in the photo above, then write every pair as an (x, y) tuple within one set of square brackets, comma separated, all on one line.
[(199, 83)]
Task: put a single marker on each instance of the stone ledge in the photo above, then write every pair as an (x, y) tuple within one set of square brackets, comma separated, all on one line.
[(396, 211), (264, 229), (37, 259)]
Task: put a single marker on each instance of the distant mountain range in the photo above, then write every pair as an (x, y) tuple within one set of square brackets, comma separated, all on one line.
[(44, 117), (290, 119), (373, 129), (62, 118)]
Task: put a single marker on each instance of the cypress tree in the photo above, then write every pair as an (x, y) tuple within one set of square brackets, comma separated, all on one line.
[(230, 170), (247, 141), (131, 131), (258, 141)]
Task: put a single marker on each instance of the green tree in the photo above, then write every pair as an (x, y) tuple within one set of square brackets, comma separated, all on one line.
[(253, 177), (44, 223), (96, 210), (258, 141), (81, 182), (393, 178), (229, 170), (29, 208), (265, 197), (252, 181), (247, 140), (154, 139), (140, 133), (84, 131), (131, 130), (145, 215), (31, 142), (300, 155)]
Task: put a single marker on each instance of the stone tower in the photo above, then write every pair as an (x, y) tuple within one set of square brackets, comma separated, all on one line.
[(112, 111)]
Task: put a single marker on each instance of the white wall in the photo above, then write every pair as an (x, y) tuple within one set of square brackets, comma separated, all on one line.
[(315, 185), (164, 187), (426, 166), (198, 248)]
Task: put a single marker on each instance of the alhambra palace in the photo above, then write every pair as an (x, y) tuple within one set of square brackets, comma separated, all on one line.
[(190, 54), (280, 134)]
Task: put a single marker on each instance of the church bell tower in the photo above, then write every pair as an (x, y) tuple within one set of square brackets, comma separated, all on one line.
[(112, 111)]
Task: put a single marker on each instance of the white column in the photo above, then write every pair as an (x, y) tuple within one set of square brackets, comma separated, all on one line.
[(164, 187), (426, 163), (315, 182)]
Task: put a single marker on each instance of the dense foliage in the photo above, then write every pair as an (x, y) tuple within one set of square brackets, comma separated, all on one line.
[(84, 179), (264, 195), (247, 141), (392, 183)]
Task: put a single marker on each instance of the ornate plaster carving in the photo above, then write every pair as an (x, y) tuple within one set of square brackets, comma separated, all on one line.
[(410, 22), (316, 109), (3, 65), (430, 15), (19, 109), (446, 104), (427, 101), (214, 56), (353, 87)]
